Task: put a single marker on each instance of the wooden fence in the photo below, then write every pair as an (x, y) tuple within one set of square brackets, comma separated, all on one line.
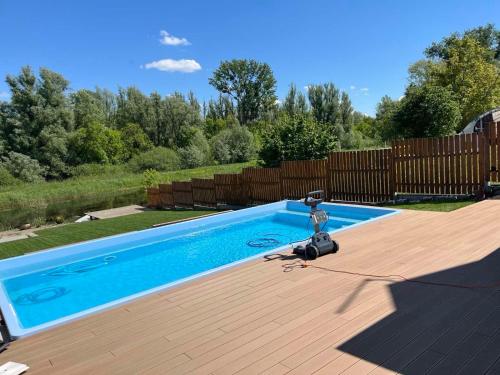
[(361, 176), (263, 184), (492, 154), (454, 165), (230, 189), (182, 193), (445, 165), (302, 176), (166, 195), (204, 192)]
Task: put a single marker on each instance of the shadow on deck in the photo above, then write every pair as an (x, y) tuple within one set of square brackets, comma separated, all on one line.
[(438, 329)]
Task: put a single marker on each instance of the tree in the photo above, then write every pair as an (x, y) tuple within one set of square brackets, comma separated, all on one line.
[(39, 117), (427, 111), (180, 120), (132, 106), (346, 112), (469, 66), (295, 102), (384, 118), (487, 36), (96, 143), (250, 84), (472, 78), (295, 138), (135, 140), (325, 103), (87, 107)]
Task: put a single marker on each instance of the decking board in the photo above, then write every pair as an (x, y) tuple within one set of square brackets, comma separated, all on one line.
[(255, 318)]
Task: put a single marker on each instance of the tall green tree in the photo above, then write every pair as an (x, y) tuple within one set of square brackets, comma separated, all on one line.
[(384, 119), (427, 111), (487, 36), (40, 117), (295, 102), (325, 103), (469, 66), (87, 107), (250, 84)]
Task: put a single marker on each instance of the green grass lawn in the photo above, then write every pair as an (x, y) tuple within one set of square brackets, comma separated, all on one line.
[(433, 206), (71, 233), (41, 194)]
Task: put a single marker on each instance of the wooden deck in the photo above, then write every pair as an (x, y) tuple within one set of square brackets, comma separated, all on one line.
[(257, 319)]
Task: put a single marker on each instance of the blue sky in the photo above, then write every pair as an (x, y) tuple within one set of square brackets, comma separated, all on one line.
[(364, 47)]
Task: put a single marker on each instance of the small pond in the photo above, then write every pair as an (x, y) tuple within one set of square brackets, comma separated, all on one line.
[(67, 210)]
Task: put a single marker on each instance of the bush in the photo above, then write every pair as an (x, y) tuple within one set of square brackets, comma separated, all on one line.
[(23, 167), (151, 178), (197, 153), (159, 158), (6, 179), (96, 143), (297, 137), (233, 145)]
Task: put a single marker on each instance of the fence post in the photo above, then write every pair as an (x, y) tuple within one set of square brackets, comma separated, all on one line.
[(392, 172)]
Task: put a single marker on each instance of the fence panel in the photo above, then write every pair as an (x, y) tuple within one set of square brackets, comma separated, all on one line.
[(493, 157), (263, 184), (153, 195), (302, 176), (166, 195), (361, 176), (183, 193), (230, 189), (204, 192), (444, 165)]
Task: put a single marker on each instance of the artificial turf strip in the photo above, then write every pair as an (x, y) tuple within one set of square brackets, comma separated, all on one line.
[(434, 206), (71, 233)]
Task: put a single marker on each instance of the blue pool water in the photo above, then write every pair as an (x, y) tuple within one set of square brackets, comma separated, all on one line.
[(53, 289)]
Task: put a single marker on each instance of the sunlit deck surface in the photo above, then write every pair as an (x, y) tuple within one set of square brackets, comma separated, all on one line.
[(256, 319)]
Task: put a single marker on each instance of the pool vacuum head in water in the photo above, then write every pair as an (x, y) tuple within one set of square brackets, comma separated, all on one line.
[(320, 243)]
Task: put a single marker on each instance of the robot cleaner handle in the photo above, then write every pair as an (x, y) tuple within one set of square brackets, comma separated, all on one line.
[(311, 201)]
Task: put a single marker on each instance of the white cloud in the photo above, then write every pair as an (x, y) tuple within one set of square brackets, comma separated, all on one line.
[(170, 40), (364, 90), (277, 102), (352, 87), (306, 87), (169, 65), (4, 95)]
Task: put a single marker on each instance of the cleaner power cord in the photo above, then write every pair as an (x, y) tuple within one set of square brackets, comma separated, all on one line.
[(303, 264), (298, 264)]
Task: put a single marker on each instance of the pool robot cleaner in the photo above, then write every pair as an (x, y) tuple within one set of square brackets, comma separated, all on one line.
[(320, 242)]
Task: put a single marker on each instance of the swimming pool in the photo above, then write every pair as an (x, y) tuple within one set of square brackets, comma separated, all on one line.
[(43, 289)]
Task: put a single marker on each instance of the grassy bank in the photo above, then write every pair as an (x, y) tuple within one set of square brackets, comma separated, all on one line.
[(71, 233), (42, 194)]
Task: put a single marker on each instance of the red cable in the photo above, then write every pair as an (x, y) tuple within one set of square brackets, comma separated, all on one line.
[(298, 264)]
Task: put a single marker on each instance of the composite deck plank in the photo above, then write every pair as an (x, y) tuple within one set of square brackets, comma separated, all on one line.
[(255, 318)]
